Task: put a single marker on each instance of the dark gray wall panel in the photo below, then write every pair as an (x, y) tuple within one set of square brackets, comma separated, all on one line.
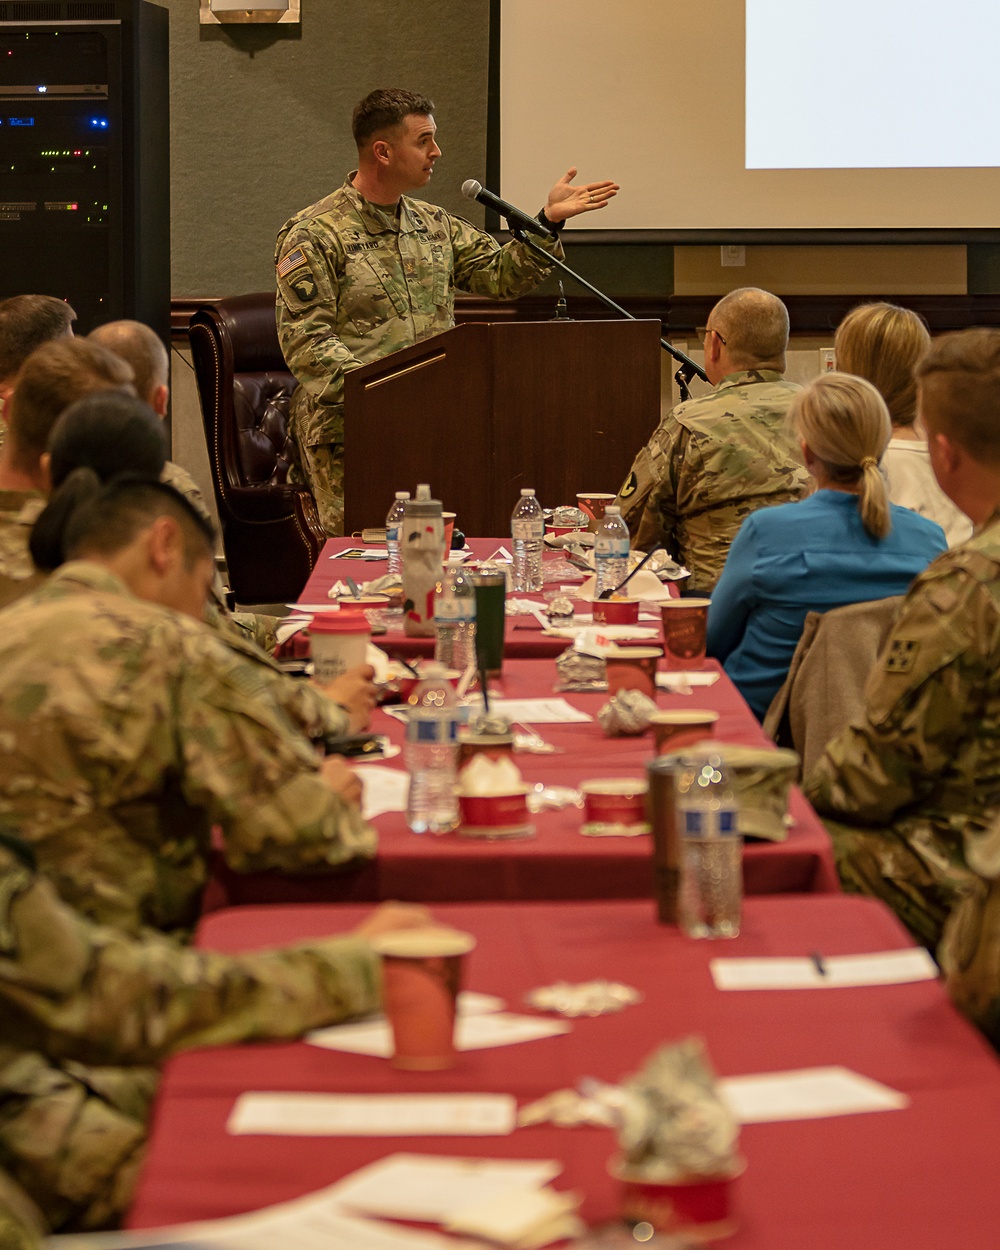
[(260, 120)]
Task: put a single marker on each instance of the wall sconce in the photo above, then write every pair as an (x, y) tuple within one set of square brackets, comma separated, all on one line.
[(226, 12)]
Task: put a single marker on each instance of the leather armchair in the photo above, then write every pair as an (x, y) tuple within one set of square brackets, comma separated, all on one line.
[(270, 530)]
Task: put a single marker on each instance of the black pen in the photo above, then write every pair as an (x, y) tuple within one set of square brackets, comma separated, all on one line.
[(818, 963)]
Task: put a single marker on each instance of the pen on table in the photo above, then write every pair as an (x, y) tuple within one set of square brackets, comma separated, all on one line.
[(818, 963)]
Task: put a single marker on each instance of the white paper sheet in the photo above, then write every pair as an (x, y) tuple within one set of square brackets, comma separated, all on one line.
[(838, 971), (315, 1222), (480, 1032), (385, 790), (373, 1115), (681, 683), (536, 711), (806, 1094), (436, 1187)]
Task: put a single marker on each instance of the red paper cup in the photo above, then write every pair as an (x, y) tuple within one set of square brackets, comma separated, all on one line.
[(615, 611), (449, 530), (421, 977), (633, 668), (494, 815), (338, 641), (493, 746), (698, 1208), (595, 504), (557, 531), (673, 730), (684, 623), (615, 805)]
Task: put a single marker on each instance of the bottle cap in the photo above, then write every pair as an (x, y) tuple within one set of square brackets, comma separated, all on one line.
[(423, 491), (402, 494), (613, 509), (527, 490)]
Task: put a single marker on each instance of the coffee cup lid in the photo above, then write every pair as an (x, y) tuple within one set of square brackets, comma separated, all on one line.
[(423, 943)]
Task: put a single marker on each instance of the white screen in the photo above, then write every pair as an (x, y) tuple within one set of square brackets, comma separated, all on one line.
[(871, 84), (844, 124)]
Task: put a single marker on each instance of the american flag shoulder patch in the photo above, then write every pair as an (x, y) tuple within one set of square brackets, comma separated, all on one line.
[(292, 261)]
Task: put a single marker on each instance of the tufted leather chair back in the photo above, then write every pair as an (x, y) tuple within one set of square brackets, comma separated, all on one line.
[(270, 530)]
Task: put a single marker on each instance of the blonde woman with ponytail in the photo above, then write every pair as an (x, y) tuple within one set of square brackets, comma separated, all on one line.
[(884, 343), (846, 543)]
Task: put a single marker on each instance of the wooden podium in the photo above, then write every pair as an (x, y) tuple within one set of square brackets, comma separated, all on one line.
[(484, 409)]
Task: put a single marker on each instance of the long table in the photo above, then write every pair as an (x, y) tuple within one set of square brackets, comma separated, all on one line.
[(560, 862), (921, 1178), (523, 636)]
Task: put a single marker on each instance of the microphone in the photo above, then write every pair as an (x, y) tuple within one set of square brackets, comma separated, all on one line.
[(473, 190)]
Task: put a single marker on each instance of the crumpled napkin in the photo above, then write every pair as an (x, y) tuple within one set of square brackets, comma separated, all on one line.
[(673, 1122), (627, 714)]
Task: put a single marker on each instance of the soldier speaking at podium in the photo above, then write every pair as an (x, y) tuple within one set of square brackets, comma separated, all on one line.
[(368, 271)]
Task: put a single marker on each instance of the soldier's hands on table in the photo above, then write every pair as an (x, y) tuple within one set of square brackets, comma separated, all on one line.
[(355, 692), (567, 201), (342, 779)]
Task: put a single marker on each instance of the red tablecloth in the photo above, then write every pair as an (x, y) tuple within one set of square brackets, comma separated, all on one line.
[(922, 1178), (560, 863), (523, 635)]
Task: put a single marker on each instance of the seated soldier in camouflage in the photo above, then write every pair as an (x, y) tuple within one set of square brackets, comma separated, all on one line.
[(714, 460), (916, 781), (52, 377), (73, 993), (26, 322), (143, 351), (368, 270), (113, 434), (131, 729)]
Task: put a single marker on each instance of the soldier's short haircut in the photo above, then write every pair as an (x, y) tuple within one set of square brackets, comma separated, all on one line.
[(884, 343), (26, 322), (142, 350), (86, 517), (962, 373), (111, 433), (53, 377), (754, 324), (383, 110)]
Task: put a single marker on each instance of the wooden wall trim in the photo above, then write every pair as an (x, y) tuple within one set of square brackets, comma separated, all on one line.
[(681, 314)]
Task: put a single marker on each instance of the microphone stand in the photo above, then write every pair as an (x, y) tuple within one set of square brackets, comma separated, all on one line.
[(688, 369)]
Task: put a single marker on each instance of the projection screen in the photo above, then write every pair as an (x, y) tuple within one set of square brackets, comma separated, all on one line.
[(773, 115)]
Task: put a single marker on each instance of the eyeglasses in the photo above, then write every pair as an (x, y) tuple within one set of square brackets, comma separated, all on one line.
[(704, 331)]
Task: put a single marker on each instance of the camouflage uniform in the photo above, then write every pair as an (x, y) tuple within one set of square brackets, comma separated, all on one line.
[(918, 777), (18, 512), (356, 282), (711, 462), (258, 627), (127, 731), (311, 711), (74, 994)]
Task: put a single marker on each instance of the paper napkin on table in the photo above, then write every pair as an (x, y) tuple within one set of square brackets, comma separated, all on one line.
[(373, 1115), (806, 1094), (825, 973), (478, 1032)]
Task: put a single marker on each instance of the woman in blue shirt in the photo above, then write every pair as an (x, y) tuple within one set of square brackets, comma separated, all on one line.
[(846, 543)]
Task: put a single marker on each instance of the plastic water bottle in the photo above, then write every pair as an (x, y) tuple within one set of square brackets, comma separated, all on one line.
[(392, 523), (431, 755), (711, 887), (527, 529), (455, 620), (611, 548)]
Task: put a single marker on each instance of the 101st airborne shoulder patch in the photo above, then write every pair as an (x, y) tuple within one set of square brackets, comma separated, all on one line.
[(629, 485), (295, 270), (902, 655)]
